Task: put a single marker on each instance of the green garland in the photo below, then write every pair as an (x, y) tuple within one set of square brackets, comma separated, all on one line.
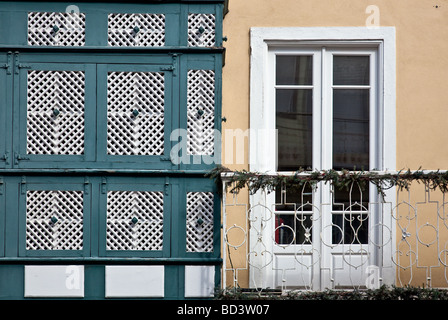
[(255, 181)]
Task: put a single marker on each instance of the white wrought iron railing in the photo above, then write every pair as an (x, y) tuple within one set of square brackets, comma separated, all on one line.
[(363, 230)]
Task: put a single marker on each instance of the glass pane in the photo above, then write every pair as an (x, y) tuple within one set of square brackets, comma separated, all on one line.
[(294, 125), (351, 70), (286, 225), (351, 129), (294, 70), (350, 228), (298, 198)]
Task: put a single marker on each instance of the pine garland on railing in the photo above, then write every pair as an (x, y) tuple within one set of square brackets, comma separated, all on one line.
[(383, 180)]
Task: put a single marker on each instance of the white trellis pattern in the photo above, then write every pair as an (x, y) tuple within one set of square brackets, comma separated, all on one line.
[(201, 30), (134, 220), (55, 112), (136, 30), (56, 29), (135, 113), (54, 220), (201, 112), (200, 221)]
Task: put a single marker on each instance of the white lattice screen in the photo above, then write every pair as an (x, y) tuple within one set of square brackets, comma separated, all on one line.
[(138, 30), (135, 113), (201, 30), (55, 112), (54, 220), (200, 221), (56, 29), (201, 112), (134, 220)]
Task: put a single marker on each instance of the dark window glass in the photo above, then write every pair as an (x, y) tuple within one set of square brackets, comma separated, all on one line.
[(294, 70), (351, 70), (294, 198), (294, 123)]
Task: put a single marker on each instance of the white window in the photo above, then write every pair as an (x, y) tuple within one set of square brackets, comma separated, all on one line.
[(329, 95), (325, 101)]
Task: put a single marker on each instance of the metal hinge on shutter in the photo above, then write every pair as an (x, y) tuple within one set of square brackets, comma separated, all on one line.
[(18, 157), (86, 185), (18, 65), (8, 64), (5, 157), (168, 68), (167, 185), (23, 185), (103, 185), (172, 68), (1, 186)]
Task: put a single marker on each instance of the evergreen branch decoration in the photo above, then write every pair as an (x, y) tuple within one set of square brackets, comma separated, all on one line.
[(383, 180)]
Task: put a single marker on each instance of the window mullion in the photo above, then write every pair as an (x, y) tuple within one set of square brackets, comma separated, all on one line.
[(326, 111), (375, 123)]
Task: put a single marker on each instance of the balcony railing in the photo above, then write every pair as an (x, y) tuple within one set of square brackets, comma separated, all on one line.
[(335, 230)]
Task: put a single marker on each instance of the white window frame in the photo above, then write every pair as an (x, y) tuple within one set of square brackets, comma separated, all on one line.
[(262, 159), (262, 102), (323, 96)]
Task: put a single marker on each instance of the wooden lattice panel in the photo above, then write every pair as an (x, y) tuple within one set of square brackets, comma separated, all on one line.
[(54, 220), (201, 30), (135, 113), (56, 29), (134, 220), (201, 112), (136, 30), (55, 112), (200, 221)]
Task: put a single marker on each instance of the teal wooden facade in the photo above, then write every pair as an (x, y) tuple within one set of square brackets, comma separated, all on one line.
[(108, 114)]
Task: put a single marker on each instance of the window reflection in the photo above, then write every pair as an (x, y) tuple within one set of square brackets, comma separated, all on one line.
[(294, 124), (294, 70)]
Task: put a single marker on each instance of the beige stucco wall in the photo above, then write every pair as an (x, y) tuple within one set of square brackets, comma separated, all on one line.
[(422, 64)]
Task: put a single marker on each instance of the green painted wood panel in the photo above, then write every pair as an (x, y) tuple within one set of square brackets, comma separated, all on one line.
[(95, 175)]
